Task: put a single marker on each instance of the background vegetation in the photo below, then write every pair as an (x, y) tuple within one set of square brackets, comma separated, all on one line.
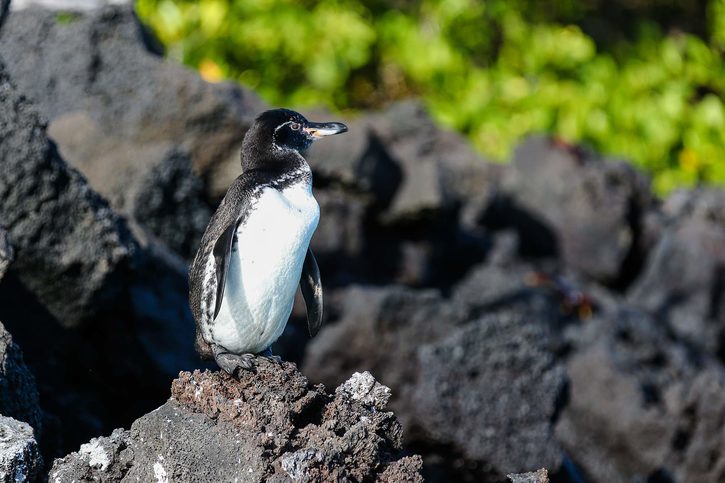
[(641, 79)]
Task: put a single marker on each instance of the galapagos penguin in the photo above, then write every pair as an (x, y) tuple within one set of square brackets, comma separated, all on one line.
[(255, 250)]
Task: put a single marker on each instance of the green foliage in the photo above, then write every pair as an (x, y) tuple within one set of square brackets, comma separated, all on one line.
[(495, 70)]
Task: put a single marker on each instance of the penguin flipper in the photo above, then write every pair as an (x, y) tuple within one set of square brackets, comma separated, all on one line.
[(311, 287), (222, 254)]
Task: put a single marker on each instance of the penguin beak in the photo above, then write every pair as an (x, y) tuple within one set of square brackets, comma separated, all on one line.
[(320, 129)]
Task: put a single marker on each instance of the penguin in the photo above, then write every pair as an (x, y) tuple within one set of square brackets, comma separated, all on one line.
[(255, 250)]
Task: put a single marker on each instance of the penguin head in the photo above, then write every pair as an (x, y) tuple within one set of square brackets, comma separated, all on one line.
[(281, 132)]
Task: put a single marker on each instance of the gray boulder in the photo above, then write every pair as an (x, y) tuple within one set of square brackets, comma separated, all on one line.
[(487, 390), (20, 460), (77, 264), (18, 393), (380, 330), (683, 283), (69, 244), (268, 426), (135, 124), (6, 253), (566, 202), (642, 406), (493, 391)]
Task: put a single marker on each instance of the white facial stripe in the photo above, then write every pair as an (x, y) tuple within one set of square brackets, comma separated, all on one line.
[(274, 136)]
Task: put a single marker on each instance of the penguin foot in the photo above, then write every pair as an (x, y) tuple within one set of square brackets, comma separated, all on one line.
[(268, 354), (233, 363)]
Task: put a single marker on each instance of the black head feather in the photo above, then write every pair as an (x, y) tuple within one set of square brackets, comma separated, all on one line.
[(281, 135)]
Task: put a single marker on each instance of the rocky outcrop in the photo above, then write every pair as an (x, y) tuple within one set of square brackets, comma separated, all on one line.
[(20, 459), (642, 407), (139, 127), (683, 283), (271, 425), (498, 373), (569, 203), (77, 264), (6, 253), (68, 243), (18, 393)]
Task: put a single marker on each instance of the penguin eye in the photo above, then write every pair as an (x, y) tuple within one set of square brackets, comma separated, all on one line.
[(295, 126)]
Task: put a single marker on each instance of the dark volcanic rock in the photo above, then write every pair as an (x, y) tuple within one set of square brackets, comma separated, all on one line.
[(499, 376), (124, 116), (68, 242), (541, 476), (489, 391), (380, 330), (19, 457), (568, 203), (4, 7), (268, 426), (150, 182), (357, 160), (18, 394), (683, 284), (641, 406), (339, 240), (77, 266), (7, 254)]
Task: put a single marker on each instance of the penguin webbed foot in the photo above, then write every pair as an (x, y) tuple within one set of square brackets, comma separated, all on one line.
[(268, 354), (233, 363)]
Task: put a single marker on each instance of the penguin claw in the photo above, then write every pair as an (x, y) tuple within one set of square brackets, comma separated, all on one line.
[(268, 354), (233, 363)]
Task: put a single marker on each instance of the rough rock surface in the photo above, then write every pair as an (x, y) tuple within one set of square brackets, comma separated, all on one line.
[(380, 330), (540, 476), (467, 380), (642, 407), (18, 393), (68, 242), (4, 7), (77, 264), (20, 459), (267, 426), (124, 116), (7, 254), (683, 283), (566, 202), (497, 373)]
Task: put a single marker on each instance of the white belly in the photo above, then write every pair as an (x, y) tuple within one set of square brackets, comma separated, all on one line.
[(265, 268)]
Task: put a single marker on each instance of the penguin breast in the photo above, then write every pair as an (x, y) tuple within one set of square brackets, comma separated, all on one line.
[(265, 268)]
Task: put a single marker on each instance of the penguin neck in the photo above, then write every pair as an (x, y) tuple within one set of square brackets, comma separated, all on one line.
[(280, 167)]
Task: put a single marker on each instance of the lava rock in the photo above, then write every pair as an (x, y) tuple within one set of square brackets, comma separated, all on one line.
[(358, 161), (443, 369), (20, 459), (270, 425), (123, 115), (81, 276), (493, 390), (68, 242), (7, 254), (380, 330), (339, 241), (439, 168), (565, 202), (18, 393), (642, 406), (540, 476), (4, 7), (151, 183), (683, 283)]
